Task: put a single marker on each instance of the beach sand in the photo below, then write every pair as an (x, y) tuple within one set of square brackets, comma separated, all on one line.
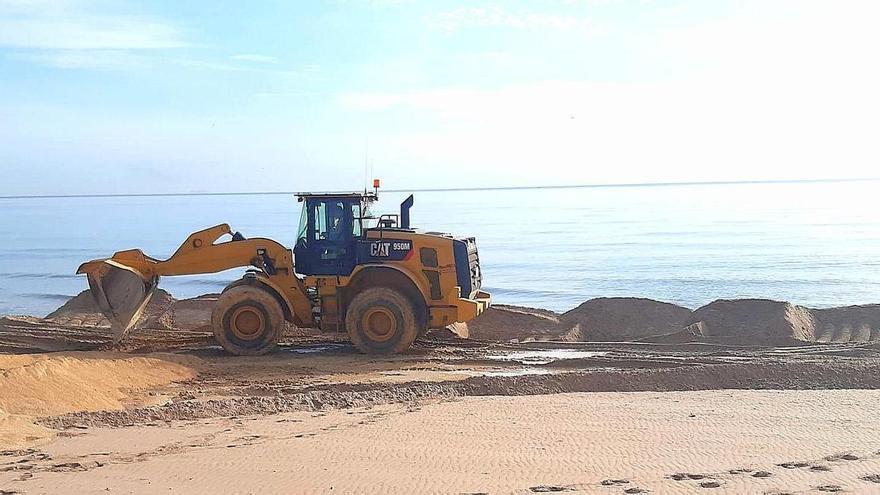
[(688, 412), (674, 442)]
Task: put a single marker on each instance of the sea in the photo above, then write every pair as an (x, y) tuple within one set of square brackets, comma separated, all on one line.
[(811, 243)]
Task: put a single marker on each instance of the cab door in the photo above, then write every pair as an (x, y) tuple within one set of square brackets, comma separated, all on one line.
[(326, 246)]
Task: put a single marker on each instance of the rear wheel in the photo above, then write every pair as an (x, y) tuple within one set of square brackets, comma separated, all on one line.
[(247, 321), (381, 321)]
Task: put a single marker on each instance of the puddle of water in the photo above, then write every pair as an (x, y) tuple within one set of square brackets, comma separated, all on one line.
[(317, 348), (545, 356), (518, 372), (504, 372)]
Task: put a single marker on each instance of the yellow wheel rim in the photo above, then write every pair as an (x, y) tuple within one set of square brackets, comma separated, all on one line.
[(379, 324), (247, 323)]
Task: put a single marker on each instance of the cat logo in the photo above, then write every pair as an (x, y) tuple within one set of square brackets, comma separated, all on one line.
[(380, 249)]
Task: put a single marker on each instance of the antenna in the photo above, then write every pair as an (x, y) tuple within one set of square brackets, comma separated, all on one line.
[(366, 161)]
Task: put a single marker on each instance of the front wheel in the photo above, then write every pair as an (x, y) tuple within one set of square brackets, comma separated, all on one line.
[(247, 321), (381, 321)]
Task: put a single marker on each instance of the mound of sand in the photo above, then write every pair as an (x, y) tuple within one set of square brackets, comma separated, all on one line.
[(847, 324), (736, 322), (33, 386), (506, 323), (753, 321), (185, 314), (610, 319), (82, 311), (82, 303)]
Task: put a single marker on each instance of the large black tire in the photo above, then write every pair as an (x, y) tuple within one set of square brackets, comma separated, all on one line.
[(247, 321), (381, 321)]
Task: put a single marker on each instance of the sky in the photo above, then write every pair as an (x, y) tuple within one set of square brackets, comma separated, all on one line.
[(116, 96)]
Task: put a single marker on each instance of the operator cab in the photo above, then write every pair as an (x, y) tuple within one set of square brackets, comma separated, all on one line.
[(331, 227)]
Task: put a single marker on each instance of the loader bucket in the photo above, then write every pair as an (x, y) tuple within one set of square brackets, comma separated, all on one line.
[(120, 292)]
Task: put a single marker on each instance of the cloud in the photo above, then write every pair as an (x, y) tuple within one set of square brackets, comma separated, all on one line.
[(379, 4), (91, 33), (253, 57), (201, 64), (86, 59), (702, 129), (482, 17), (72, 34)]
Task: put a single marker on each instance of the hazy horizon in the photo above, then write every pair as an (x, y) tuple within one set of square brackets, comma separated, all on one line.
[(450, 189)]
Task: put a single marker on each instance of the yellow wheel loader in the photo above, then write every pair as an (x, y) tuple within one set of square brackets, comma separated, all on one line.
[(378, 279)]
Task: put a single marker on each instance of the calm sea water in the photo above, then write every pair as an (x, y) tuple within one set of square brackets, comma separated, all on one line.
[(816, 244)]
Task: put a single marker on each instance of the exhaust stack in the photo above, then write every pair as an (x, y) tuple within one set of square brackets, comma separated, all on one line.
[(404, 211)]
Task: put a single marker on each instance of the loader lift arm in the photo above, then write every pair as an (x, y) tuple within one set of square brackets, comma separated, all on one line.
[(123, 284), (201, 253)]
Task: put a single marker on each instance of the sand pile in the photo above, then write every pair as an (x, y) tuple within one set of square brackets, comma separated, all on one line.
[(185, 314), (752, 321), (734, 322), (163, 312), (610, 319), (767, 322), (82, 311), (82, 303), (847, 324), (506, 323), (620, 319), (33, 386)]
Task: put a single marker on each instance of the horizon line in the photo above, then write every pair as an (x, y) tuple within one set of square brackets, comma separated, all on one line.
[(449, 189)]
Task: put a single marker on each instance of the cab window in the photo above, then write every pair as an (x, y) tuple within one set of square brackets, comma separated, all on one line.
[(303, 225), (356, 219), (331, 221), (320, 220)]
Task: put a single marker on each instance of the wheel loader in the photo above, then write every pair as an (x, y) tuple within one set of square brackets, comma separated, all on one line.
[(378, 279)]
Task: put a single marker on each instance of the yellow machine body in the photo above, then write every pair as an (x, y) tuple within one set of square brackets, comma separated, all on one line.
[(421, 266)]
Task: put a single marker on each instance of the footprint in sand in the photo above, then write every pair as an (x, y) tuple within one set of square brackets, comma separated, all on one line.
[(794, 465), (820, 467), (548, 489), (829, 488), (762, 474), (17, 453), (75, 466), (635, 489), (710, 484), (842, 457), (740, 471), (613, 482), (686, 476), (871, 478)]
